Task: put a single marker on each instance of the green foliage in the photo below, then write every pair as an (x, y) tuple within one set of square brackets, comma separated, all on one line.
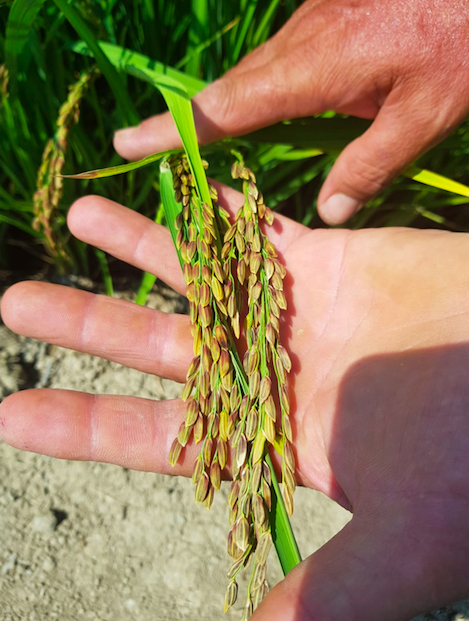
[(20, 20), (121, 95)]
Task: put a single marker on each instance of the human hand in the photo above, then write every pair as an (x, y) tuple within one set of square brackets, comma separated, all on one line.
[(377, 327), (402, 63)]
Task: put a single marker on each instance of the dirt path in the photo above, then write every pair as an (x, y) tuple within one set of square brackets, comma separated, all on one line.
[(84, 541)]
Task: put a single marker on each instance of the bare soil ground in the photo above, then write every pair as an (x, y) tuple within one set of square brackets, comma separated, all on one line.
[(86, 541)]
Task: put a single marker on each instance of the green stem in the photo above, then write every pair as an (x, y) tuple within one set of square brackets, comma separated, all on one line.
[(146, 285), (148, 280), (282, 532), (107, 279)]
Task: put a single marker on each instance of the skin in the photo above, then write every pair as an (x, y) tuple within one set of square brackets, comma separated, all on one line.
[(378, 330), (403, 63), (377, 324)]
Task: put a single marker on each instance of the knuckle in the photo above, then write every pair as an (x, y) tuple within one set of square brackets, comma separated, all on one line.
[(214, 110), (222, 103), (369, 175)]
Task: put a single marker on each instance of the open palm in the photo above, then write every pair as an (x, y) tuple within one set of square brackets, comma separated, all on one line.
[(377, 328)]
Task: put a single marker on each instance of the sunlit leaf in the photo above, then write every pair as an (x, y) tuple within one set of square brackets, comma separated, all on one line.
[(437, 181), (121, 168), (129, 61)]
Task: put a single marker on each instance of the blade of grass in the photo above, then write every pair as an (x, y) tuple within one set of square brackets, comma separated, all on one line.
[(243, 30), (300, 154), (262, 31), (146, 285), (205, 44), (171, 207), (100, 173), (197, 34), (125, 60), (179, 104), (437, 181), (146, 187), (434, 217), (282, 532), (106, 274), (282, 152), (20, 21), (148, 280), (293, 184), (19, 224), (324, 133)]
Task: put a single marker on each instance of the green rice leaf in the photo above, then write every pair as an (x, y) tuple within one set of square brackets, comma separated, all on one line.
[(328, 134), (171, 207), (20, 21), (263, 30), (179, 104), (243, 30), (19, 224), (437, 181), (300, 154), (106, 274), (205, 44), (282, 532), (121, 168), (129, 61), (148, 280), (198, 32)]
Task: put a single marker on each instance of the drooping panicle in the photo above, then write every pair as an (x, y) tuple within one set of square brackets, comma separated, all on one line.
[(235, 412)]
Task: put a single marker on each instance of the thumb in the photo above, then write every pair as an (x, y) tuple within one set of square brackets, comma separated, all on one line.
[(359, 575), (237, 103), (401, 132)]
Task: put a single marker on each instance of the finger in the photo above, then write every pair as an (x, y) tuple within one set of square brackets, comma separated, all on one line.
[(368, 571), (399, 135), (236, 104), (258, 58), (138, 337), (128, 236), (127, 431)]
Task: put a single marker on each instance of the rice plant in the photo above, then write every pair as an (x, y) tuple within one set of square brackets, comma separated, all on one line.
[(228, 410), (231, 269), (49, 180)]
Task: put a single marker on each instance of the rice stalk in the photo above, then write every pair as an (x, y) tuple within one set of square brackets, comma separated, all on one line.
[(49, 179), (224, 414), (211, 382), (4, 79)]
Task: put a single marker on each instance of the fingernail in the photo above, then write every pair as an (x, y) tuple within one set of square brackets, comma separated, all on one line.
[(338, 208), (127, 133)]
